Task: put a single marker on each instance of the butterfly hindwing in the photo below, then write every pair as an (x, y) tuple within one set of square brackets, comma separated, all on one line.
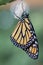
[(24, 37), (33, 50)]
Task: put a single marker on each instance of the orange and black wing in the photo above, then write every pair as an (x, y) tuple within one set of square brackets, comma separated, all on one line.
[(24, 37)]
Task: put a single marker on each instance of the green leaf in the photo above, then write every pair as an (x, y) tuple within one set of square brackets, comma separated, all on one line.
[(3, 2)]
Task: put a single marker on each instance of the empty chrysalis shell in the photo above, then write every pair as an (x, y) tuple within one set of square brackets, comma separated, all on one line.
[(18, 8)]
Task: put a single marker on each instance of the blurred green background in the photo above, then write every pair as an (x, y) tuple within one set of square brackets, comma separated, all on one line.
[(11, 55)]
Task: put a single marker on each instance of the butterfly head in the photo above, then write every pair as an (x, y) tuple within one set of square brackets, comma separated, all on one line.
[(24, 15)]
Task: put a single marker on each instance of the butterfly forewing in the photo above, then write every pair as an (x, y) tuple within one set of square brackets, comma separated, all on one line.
[(21, 33)]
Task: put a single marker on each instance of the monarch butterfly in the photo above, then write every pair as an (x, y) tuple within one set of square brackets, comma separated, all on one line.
[(24, 35)]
